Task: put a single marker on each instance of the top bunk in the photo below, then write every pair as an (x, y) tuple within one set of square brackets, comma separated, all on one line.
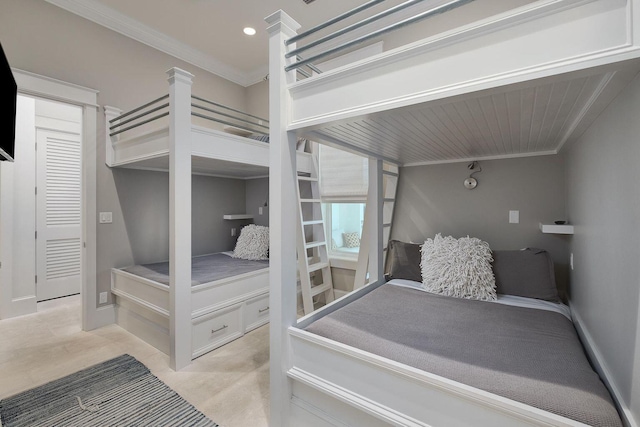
[(223, 141), (520, 83)]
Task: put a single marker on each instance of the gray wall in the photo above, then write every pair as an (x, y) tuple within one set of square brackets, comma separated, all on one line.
[(46, 40), (257, 194), (145, 214), (432, 199), (603, 201)]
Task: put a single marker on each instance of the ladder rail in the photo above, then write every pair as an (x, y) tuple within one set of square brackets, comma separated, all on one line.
[(317, 243)]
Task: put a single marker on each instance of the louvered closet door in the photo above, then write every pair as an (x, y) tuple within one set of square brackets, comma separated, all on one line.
[(59, 227)]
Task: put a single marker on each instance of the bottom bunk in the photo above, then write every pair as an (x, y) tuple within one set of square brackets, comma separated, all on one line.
[(398, 355), (229, 297)]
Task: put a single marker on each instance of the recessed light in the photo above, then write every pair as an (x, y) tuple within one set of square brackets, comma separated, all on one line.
[(249, 31)]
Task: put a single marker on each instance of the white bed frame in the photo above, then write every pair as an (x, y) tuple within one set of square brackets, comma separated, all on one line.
[(215, 312), (221, 311), (318, 382)]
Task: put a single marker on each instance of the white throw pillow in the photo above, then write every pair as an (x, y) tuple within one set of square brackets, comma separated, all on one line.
[(458, 268), (253, 243)]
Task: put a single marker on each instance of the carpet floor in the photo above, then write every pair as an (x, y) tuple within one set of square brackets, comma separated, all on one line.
[(119, 392)]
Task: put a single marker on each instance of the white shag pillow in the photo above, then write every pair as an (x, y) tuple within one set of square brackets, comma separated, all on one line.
[(253, 243), (458, 268)]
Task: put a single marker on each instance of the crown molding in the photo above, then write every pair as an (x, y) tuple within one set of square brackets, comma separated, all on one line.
[(257, 75), (125, 25)]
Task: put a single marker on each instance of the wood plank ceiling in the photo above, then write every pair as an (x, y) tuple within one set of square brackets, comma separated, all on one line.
[(507, 122)]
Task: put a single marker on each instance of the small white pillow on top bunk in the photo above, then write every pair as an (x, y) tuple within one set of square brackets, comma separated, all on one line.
[(253, 243), (458, 268)]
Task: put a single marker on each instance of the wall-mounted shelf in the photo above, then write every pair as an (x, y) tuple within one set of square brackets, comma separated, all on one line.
[(556, 228), (238, 216)]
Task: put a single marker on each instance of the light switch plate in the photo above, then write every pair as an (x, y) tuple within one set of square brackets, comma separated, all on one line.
[(106, 217), (514, 217), (103, 297)]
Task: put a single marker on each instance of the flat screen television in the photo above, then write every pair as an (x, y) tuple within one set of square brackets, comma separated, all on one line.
[(8, 98)]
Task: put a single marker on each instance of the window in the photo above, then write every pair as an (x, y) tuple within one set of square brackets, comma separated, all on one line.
[(344, 222), (343, 189)]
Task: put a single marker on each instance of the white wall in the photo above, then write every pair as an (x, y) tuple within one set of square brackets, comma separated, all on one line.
[(603, 202)]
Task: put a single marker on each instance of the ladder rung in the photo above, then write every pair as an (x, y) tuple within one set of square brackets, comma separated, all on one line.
[(318, 266), (316, 290), (314, 245), (387, 224), (389, 173), (307, 178), (387, 200), (310, 201), (313, 222)]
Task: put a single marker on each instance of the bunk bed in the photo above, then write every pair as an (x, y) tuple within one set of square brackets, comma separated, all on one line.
[(187, 306), (525, 82)]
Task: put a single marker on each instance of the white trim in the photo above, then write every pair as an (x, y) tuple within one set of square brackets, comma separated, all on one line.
[(100, 14), (343, 262), (24, 305), (49, 88), (314, 410), (126, 295), (470, 159), (598, 361), (57, 90), (105, 315), (360, 402)]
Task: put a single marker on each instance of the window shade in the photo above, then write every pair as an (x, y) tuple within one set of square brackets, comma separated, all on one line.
[(343, 176)]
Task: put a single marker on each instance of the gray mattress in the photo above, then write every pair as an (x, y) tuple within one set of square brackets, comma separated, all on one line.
[(528, 355), (204, 269)]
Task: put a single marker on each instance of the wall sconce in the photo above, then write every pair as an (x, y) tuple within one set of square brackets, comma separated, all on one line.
[(471, 183)]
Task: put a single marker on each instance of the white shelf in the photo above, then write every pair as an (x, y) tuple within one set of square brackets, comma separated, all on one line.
[(556, 229), (238, 216)]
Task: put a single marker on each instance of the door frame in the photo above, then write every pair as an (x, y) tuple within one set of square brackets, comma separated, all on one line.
[(31, 84)]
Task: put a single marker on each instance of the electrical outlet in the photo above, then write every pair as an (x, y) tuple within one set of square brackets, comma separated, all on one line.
[(260, 210), (103, 297), (233, 232)]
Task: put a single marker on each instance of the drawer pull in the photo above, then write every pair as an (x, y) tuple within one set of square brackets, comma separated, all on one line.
[(213, 331), (262, 310)]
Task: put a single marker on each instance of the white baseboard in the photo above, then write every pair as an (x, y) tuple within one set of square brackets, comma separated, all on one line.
[(105, 315), (24, 305), (602, 369)]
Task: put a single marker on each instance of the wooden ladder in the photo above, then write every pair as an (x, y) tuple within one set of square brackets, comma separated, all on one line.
[(313, 254), (390, 176)]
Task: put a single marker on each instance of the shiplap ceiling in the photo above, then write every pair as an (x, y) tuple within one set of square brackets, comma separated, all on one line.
[(534, 118)]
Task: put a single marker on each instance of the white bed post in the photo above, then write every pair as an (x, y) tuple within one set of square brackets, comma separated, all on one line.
[(370, 258), (283, 216), (110, 113), (375, 226), (179, 217)]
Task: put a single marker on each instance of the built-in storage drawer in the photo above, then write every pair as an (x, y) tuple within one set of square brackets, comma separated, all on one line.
[(256, 313), (215, 329)]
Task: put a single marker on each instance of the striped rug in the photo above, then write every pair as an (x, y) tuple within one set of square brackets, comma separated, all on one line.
[(119, 392)]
